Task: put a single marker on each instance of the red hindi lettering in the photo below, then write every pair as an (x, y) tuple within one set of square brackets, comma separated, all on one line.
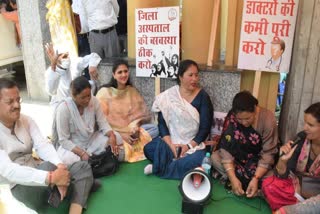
[(143, 40), (141, 15), (259, 27), (255, 47), (287, 8), (281, 29), (262, 7)]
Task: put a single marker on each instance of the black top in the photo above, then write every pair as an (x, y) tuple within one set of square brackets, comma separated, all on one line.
[(292, 163)]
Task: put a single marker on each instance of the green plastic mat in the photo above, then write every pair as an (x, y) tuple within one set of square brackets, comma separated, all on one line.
[(129, 191)]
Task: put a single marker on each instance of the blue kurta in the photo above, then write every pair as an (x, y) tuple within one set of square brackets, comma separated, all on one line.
[(160, 154)]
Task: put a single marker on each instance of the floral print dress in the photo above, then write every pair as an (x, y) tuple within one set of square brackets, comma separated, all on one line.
[(244, 144)]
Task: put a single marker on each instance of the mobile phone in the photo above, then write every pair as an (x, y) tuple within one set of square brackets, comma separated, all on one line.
[(135, 135), (178, 151), (54, 197)]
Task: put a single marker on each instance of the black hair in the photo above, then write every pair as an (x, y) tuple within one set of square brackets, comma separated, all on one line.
[(154, 66), (184, 65), (7, 83), (314, 110), (244, 101), (113, 82), (78, 85), (176, 56), (162, 68)]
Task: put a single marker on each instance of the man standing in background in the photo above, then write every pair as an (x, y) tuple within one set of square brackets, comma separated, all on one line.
[(122, 27), (102, 18)]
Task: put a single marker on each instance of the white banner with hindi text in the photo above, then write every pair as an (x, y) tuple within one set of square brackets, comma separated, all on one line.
[(267, 34), (157, 42)]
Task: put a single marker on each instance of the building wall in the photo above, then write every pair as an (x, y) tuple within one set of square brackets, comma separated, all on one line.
[(220, 85), (303, 82)]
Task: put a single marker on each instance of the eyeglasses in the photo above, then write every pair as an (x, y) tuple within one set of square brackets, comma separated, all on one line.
[(12, 101)]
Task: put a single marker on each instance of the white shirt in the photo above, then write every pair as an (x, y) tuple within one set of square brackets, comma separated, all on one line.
[(16, 163), (58, 82), (100, 14), (78, 9)]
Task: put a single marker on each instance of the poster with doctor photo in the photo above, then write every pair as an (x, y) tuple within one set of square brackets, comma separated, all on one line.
[(267, 34)]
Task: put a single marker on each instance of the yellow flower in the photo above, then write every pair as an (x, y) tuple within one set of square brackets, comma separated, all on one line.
[(228, 138)]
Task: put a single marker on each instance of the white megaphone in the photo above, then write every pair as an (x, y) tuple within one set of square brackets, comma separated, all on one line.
[(195, 188)]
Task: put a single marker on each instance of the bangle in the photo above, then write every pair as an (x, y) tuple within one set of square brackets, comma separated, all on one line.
[(190, 146), (256, 177), (228, 169), (278, 171), (82, 154)]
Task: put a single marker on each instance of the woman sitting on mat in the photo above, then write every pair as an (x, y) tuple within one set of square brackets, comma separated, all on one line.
[(247, 145), (185, 116), (300, 160), (74, 125), (127, 113)]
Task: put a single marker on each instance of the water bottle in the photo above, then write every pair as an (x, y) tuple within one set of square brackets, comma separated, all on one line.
[(206, 163)]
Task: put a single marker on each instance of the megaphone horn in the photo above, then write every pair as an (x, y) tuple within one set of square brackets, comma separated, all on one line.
[(195, 188), (197, 178)]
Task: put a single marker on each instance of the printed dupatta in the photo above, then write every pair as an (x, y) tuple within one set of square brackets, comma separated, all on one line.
[(85, 124), (304, 155), (181, 117)]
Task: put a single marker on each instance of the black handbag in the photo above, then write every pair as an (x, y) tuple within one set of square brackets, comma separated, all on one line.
[(104, 164)]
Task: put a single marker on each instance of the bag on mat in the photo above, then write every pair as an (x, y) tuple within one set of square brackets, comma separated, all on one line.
[(104, 164)]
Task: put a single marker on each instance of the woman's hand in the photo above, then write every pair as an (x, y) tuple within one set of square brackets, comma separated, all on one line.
[(63, 191), (173, 149), (184, 149), (236, 186), (287, 151), (132, 140), (252, 188), (85, 156), (113, 143), (62, 166), (135, 135)]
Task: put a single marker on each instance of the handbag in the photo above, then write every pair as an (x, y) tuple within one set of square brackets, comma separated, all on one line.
[(278, 192), (104, 164)]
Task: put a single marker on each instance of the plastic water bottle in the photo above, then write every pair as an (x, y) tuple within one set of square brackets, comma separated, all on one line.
[(206, 163)]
